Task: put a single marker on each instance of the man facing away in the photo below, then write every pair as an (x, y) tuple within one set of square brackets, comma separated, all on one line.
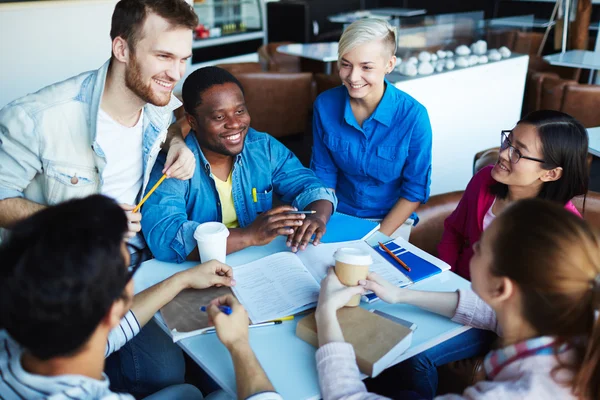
[(66, 303), (238, 173), (100, 132)]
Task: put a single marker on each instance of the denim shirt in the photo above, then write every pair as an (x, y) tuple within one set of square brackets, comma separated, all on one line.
[(172, 213), (374, 165), (48, 148)]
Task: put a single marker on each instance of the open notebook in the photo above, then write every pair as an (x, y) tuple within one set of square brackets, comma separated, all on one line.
[(286, 283)]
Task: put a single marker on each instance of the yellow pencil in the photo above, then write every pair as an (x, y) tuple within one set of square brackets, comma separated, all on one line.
[(137, 208), (288, 318)]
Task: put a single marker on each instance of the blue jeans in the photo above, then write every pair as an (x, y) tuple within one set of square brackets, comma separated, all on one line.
[(177, 392), (146, 364), (419, 373)]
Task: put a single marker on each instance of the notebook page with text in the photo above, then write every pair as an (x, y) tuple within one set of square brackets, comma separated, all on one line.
[(318, 259), (275, 286)]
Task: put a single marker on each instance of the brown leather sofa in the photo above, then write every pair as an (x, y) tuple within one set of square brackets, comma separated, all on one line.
[(240, 68), (582, 101), (274, 61), (279, 103)]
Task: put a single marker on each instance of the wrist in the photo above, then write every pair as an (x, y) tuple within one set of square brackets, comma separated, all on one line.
[(248, 237), (239, 346), (324, 313), (181, 280)]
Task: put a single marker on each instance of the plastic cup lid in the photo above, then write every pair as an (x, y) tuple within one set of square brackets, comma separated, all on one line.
[(350, 255), (210, 231)]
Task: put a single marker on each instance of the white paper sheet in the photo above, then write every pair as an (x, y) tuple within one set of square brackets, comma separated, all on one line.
[(275, 286)]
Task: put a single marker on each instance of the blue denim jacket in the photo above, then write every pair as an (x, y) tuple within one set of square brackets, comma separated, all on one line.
[(48, 138), (172, 213)]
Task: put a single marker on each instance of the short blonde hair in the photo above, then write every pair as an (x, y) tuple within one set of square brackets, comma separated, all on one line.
[(364, 31)]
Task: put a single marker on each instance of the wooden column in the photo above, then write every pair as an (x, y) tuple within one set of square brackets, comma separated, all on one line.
[(580, 28)]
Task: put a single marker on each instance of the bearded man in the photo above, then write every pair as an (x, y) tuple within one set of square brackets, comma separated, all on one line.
[(101, 132)]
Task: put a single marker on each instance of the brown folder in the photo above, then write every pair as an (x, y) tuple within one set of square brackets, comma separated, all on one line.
[(377, 341), (182, 314)]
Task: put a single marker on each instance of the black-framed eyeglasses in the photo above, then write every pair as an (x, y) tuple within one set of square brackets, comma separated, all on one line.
[(514, 155), (135, 252)]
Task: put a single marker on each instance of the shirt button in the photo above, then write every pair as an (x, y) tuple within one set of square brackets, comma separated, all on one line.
[(74, 180)]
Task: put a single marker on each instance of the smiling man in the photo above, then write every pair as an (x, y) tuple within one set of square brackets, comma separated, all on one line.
[(238, 171), (100, 132)]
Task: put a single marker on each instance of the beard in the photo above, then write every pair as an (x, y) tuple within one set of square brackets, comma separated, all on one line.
[(220, 148), (135, 83)]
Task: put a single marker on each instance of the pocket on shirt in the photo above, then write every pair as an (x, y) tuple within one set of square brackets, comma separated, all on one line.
[(388, 162), (66, 181), (337, 146), (264, 199)]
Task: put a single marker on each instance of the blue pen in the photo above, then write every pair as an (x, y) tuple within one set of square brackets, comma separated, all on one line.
[(224, 309)]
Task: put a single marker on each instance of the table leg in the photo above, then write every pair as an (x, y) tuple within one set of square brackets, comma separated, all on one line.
[(592, 78)]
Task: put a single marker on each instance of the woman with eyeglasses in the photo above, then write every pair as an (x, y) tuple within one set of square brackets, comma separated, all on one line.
[(544, 156)]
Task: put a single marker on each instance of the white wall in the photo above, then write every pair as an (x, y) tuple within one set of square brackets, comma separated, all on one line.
[(48, 41), (468, 107)]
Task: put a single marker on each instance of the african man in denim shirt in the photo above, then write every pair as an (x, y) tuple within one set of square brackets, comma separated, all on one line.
[(238, 172)]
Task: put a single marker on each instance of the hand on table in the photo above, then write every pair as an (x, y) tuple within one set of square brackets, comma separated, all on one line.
[(275, 222), (231, 329), (314, 224), (133, 220), (211, 273)]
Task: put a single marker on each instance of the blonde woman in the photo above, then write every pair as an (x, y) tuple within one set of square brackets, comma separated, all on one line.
[(372, 142)]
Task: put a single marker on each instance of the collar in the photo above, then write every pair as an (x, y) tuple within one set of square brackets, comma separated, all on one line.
[(496, 360), (384, 112), (93, 89)]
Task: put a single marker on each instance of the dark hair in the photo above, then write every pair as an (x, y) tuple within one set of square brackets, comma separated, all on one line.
[(564, 144), (129, 16), (553, 256), (200, 81), (62, 269)]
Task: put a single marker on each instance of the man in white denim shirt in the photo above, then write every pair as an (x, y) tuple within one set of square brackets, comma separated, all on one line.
[(87, 134)]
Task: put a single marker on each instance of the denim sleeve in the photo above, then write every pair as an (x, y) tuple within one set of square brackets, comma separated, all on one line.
[(294, 182), (416, 175), (165, 224), (19, 151), (321, 161)]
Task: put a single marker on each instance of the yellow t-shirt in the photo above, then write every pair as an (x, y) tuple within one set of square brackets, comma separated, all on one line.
[(226, 197)]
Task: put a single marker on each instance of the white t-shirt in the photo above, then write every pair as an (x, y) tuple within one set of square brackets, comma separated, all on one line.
[(122, 147), (489, 216)]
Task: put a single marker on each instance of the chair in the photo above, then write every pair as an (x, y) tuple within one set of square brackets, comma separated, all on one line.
[(428, 232), (240, 68), (325, 82), (274, 61), (278, 103), (485, 158), (582, 102)]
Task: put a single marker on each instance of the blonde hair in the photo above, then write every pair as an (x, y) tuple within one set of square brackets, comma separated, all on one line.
[(364, 31)]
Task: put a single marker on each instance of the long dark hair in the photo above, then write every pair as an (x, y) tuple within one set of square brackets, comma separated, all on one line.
[(564, 144), (554, 258)]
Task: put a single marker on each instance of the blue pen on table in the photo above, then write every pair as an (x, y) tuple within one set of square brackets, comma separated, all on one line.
[(224, 309)]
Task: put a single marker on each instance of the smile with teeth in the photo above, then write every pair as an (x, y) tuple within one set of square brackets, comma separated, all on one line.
[(356, 86), (163, 83), (502, 167), (233, 138)]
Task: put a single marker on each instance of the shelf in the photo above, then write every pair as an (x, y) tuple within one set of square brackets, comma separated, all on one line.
[(228, 38), (223, 3)]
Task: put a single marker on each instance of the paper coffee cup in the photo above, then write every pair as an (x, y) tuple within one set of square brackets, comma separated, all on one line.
[(212, 241), (352, 265)]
